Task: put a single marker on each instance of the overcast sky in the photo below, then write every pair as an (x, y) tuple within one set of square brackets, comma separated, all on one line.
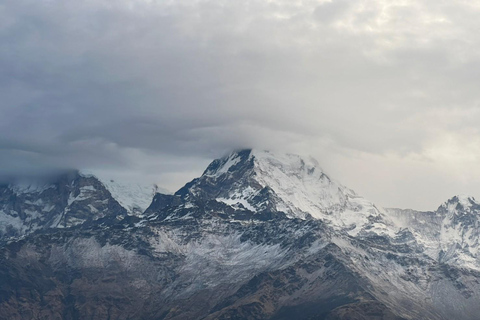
[(384, 93)]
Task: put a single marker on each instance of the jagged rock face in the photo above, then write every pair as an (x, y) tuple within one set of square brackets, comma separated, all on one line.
[(257, 236), (450, 234), (72, 199), (233, 180), (460, 228)]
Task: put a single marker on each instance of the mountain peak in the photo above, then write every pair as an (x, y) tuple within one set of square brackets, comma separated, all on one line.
[(263, 181), (228, 163), (289, 164), (459, 202), (464, 199)]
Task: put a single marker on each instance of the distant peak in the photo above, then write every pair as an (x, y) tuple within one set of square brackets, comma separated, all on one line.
[(463, 199), (459, 202), (226, 164), (132, 194)]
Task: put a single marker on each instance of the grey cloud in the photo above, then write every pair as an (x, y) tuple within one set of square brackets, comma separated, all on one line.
[(328, 12), (145, 86)]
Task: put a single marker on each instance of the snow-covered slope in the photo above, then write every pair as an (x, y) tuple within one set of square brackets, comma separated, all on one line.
[(133, 196), (300, 183), (262, 180)]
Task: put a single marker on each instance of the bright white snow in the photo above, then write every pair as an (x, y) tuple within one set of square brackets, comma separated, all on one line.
[(303, 189), (133, 196)]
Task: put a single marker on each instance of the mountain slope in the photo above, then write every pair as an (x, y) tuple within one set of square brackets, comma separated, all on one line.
[(135, 197), (257, 236)]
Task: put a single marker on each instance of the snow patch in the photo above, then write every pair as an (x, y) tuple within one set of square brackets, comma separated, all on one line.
[(29, 187), (236, 202)]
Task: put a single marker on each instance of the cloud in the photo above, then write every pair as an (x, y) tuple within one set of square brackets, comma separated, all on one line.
[(138, 86), (328, 12)]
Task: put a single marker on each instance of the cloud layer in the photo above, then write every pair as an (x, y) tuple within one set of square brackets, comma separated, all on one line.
[(383, 93)]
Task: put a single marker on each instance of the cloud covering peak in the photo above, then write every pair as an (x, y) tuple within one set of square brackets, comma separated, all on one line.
[(384, 93)]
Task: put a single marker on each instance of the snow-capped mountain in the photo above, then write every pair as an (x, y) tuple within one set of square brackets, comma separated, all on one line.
[(70, 200), (257, 236), (260, 181)]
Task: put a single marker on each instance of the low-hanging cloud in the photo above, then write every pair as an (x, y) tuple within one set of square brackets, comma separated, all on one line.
[(384, 93)]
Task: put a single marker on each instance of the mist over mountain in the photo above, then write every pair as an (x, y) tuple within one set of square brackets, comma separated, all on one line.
[(259, 235)]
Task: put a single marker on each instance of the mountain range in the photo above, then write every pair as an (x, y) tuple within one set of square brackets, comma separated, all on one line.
[(258, 235)]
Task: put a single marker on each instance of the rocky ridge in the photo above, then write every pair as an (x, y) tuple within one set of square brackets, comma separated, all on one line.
[(70, 200)]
